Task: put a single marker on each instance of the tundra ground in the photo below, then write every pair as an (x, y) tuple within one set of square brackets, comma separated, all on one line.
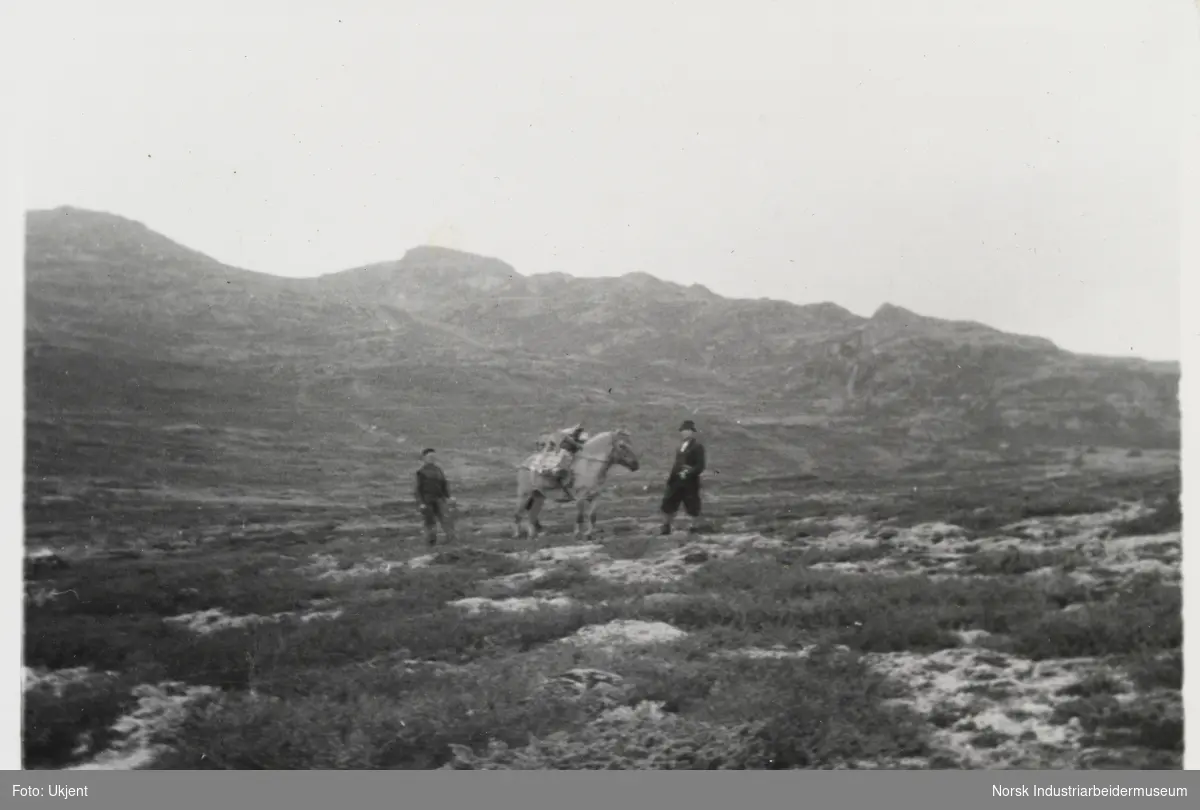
[(1009, 620)]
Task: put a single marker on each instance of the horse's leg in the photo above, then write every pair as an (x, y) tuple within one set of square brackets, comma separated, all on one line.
[(540, 501), (591, 530), (581, 506), (535, 508)]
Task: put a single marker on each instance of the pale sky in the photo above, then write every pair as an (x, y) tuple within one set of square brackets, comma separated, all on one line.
[(1015, 162)]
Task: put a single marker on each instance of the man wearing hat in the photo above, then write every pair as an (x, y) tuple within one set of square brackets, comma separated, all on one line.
[(433, 498), (683, 484)]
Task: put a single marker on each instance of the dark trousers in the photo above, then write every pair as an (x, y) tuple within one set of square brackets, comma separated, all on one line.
[(684, 493), (435, 512)]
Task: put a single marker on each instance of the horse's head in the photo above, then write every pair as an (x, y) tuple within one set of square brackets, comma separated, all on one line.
[(622, 450)]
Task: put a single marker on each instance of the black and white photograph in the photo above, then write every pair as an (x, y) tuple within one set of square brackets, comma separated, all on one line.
[(623, 386)]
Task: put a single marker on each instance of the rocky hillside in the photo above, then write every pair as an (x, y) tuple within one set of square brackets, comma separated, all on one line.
[(760, 358), (128, 327)]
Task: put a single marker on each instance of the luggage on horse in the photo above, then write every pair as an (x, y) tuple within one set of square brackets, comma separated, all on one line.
[(549, 455), (556, 454), (571, 443)]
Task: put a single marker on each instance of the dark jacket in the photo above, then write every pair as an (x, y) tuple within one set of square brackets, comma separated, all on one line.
[(572, 442), (431, 484), (690, 459)]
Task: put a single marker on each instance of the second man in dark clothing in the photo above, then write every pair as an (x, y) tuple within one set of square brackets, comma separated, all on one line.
[(433, 498), (683, 484)]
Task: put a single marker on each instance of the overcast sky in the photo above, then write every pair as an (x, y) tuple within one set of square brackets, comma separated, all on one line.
[(1010, 162)]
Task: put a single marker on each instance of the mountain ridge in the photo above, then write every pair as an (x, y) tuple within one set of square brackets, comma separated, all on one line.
[(171, 335), (453, 259)]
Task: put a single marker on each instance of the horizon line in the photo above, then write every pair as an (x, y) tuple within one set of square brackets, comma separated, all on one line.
[(426, 245)]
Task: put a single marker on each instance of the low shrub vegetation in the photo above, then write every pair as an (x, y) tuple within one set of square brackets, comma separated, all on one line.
[(780, 666)]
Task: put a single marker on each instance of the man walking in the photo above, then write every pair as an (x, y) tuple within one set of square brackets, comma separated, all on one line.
[(683, 484), (433, 498)]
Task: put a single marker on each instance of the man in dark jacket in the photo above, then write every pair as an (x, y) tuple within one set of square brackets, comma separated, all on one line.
[(433, 498), (683, 484)]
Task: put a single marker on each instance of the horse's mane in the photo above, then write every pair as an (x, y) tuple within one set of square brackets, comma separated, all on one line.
[(616, 433)]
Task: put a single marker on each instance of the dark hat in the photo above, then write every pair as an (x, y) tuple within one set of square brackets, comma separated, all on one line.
[(688, 424), (427, 451)]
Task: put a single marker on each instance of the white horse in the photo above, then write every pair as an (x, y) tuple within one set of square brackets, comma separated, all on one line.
[(590, 471)]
